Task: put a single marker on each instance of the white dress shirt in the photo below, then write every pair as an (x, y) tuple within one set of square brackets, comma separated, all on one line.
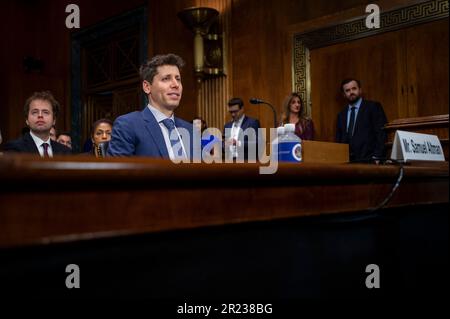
[(235, 131), (159, 116)]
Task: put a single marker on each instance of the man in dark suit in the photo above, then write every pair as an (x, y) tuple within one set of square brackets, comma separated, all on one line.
[(241, 134), (155, 131), (65, 138), (361, 125), (41, 110)]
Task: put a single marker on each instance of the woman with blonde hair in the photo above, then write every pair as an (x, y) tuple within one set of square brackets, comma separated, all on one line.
[(294, 112)]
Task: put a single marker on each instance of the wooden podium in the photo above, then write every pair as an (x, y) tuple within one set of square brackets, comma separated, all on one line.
[(324, 152)]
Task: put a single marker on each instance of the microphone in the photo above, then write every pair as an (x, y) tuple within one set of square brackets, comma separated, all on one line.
[(258, 101), (102, 148)]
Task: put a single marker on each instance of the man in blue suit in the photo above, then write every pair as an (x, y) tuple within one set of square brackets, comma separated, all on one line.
[(155, 131), (361, 125), (238, 144)]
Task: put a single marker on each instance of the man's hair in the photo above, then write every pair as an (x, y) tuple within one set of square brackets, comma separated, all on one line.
[(64, 133), (98, 122), (149, 69), (348, 80), (46, 96), (236, 100)]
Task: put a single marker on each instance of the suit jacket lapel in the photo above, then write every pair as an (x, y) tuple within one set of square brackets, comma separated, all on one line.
[(55, 147), (359, 118), (154, 131), (344, 119), (244, 124), (58, 148), (187, 146), (29, 144)]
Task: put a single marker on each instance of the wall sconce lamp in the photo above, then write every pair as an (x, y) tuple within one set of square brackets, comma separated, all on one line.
[(208, 46)]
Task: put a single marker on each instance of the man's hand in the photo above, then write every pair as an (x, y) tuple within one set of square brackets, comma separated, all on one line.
[(230, 141)]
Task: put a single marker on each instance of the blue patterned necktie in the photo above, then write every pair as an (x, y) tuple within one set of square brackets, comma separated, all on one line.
[(175, 141)]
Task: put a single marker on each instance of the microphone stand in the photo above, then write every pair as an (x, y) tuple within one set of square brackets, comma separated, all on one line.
[(274, 114), (258, 101)]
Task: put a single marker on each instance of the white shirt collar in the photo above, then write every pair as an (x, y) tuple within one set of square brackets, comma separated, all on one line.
[(159, 116), (38, 142), (357, 104), (238, 123)]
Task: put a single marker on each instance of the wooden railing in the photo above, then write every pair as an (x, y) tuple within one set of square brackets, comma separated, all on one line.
[(434, 125)]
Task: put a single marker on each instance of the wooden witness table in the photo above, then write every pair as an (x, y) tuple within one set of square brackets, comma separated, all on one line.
[(73, 198), (143, 228)]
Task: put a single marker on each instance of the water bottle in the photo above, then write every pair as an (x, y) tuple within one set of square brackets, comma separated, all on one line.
[(280, 133), (289, 145)]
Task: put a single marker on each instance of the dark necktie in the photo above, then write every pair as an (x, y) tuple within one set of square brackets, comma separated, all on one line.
[(175, 141), (351, 124), (45, 146)]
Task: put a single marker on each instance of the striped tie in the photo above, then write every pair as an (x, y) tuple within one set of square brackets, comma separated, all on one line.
[(174, 141)]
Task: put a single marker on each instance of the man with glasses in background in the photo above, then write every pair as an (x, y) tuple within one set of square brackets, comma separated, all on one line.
[(241, 134)]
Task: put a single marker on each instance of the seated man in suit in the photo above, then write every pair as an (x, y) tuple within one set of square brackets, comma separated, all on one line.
[(41, 110), (65, 138), (361, 125), (155, 131), (238, 144)]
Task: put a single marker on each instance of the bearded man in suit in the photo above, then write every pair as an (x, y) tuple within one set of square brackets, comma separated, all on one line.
[(361, 125)]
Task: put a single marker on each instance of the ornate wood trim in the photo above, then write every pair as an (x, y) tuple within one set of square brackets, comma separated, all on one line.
[(427, 120), (356, 29), (137, 17)]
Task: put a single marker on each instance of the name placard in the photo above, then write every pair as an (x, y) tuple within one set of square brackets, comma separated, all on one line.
[(417, 147)]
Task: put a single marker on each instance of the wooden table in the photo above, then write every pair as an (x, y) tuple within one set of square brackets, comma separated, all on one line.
[(74, 198), (142, 228)]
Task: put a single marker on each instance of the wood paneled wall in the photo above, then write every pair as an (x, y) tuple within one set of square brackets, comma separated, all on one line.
[(260, 61), (37, 28), (395, 69), (214, 93), (261, 56)]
